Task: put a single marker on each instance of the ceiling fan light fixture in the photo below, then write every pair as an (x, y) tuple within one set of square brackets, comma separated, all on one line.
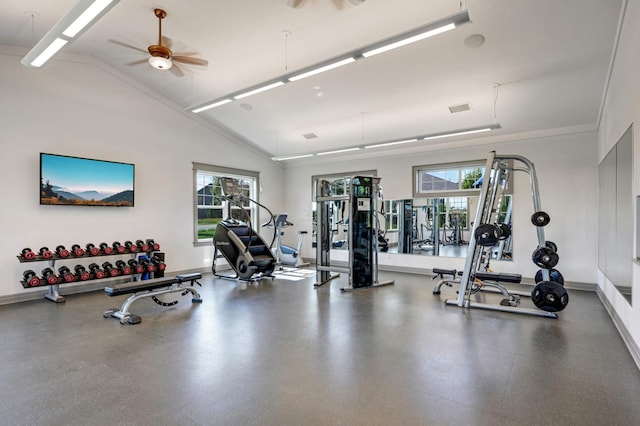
[(160, 63)]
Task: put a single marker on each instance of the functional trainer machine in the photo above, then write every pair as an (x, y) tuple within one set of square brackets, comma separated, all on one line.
[(362, 236), (242, 247), (550, 296), (286, 255)]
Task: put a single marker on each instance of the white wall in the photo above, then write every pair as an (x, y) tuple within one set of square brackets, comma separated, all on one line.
[(621, 109), (567, 174), (82, 108)]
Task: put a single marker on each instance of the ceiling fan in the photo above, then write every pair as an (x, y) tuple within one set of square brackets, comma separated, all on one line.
[(337, 3), (160, 55)]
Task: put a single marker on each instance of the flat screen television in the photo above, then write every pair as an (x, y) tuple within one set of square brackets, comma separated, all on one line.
[(73, 181)]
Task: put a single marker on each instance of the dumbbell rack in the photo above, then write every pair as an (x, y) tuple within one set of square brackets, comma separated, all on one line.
[(53, 293)]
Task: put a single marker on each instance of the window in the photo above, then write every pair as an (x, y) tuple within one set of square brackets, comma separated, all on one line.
[(391, 208), (447, 179), (210, 208)]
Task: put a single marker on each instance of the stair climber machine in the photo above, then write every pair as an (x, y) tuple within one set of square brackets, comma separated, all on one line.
[(362, 237), (286, 255), (246, 252)]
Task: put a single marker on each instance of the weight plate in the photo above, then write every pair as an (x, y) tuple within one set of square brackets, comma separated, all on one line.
[(550, 296), (505, 231), (551, 245), (540, 219), (554, 275), (545, 258), (487, 235)]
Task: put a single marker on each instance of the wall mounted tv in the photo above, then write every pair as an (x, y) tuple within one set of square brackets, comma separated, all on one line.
[(73, 181)]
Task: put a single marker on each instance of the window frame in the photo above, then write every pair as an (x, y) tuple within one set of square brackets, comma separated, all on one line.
[(417, 171), (222, 171)]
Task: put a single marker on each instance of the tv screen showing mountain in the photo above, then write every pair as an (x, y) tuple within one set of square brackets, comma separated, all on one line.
[(74, 181)]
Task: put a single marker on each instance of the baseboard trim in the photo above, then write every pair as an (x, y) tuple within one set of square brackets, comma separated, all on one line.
[(86, 287), (634, 350)]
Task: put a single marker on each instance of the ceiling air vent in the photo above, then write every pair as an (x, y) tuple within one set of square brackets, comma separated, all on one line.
[(309, 136), (460, 108)]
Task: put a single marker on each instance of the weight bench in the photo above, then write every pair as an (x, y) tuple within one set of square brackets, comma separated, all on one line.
[(440, 273), (151, 288)]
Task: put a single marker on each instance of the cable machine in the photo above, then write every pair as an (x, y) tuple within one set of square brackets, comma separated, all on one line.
[(362, 236)]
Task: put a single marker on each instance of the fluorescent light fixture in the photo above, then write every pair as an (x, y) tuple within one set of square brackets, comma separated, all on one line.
[(464, 132), (322, 69), (409, 40), (339, 151), (47, 53), (259, 89), (213, 105), (460, 132), (86, 17), (292, 157), (411, 36), (81, 16), (378, 145)]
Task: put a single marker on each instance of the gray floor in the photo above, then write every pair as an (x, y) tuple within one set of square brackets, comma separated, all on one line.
[(282, 353)]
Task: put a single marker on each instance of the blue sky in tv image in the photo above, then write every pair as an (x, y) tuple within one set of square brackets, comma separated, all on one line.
[(81, 174)]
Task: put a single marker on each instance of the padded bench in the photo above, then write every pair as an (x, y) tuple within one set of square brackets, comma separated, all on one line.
[(499, 277), (151, 288)]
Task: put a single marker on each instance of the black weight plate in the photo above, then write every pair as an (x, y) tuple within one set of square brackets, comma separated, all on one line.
[(505, 231), (487, 235), (545, 258), (540, 219), (554, 275), (550, 296)]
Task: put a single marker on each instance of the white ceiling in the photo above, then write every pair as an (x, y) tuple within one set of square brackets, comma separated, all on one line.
[(550, 57)]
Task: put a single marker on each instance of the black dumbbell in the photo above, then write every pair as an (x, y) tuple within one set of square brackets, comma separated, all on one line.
[(142, 246), (110, 270), (123, 267), (92, 249), (135, 266), (98, 273), (49, 276), (159, 263), (153, 245), (66, 274), (77, 250), (46, 253), (118, 248), (132, 248), (106, 248), (31, 278), (81, 273), (62, 252), (150, 267), (27, 253)]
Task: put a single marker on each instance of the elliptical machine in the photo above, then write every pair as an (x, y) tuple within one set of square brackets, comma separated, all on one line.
[(242, 247), (286, 255)]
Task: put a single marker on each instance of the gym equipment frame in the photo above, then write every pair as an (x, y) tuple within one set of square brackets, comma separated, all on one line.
[(496, 175), (362, 237)]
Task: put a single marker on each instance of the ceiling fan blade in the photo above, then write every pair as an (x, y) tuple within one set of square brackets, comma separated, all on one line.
[(123, 44), (189, 60), (138, 62), (338, 4), (295, 3), (175, 70), (167, 42)]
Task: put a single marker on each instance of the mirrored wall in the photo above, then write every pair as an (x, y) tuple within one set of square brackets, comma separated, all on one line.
[(615, 215)]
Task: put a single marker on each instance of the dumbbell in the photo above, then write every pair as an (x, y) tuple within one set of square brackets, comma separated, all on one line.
[(131, 247), (77, 250), (106, 248), (153, 245), (150, 267), (123, 267), (159, 263), (92, 249), (27, 253), (98, 273), (135, 266), (62, 252), (81, 273), (49, 276), (142, 246), (66, 274), (110, 270), (46, 253), (31, 278), (118, 248)]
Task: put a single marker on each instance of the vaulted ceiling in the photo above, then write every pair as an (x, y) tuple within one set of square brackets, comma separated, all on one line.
[(549, 57)]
